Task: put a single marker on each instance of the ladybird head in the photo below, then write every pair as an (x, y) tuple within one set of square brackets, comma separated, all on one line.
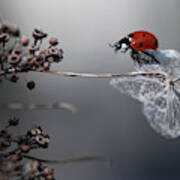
[(123, 44)]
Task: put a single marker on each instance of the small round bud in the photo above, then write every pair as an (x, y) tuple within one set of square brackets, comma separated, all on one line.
[(24, 41), (25, 148), (31, 85), (16, 157), (14, 78), (53, 41)]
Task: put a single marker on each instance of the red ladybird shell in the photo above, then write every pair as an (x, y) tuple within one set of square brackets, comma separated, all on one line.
[(143, 40)]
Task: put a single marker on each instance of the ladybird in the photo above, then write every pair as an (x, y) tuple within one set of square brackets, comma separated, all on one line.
[(138, 42)]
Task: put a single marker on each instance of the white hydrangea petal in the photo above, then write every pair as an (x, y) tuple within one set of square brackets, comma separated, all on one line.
[(161, 102)]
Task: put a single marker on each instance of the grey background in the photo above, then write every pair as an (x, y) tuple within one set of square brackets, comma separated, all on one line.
[(107, 123)]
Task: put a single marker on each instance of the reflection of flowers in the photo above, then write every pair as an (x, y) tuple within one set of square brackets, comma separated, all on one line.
[(15, 150), (159, 93), (15, 161)]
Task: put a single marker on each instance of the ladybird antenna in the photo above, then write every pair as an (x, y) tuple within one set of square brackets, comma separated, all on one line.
[(111, 45)]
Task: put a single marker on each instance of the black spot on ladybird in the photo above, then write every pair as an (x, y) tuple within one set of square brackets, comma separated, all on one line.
[(144, 35), (140, 44)]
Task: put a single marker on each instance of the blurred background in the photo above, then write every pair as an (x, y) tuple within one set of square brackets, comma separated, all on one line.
[(107, 123)]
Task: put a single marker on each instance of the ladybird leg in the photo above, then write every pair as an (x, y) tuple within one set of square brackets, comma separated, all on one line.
[(150, 55), (134, 54)]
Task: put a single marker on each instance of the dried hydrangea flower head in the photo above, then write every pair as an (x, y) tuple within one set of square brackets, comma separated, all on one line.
[(19, 55)]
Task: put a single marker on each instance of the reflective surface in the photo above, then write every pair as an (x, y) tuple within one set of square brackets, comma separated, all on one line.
[(107, 123)]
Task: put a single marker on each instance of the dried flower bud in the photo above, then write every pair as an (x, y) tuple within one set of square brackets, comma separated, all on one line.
[(56, 54), (31, 85), (35, 131), (14, 31), (42, 141), (32, 167), (53, 41), (16, 157), (48, 171), (13, 121), (38, 34), (14, 78), (24, 41), (13, 59), (25, 148)]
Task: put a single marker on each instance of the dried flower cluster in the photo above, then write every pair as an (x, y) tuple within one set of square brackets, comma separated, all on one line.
[(14, 152), (17, 54)]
